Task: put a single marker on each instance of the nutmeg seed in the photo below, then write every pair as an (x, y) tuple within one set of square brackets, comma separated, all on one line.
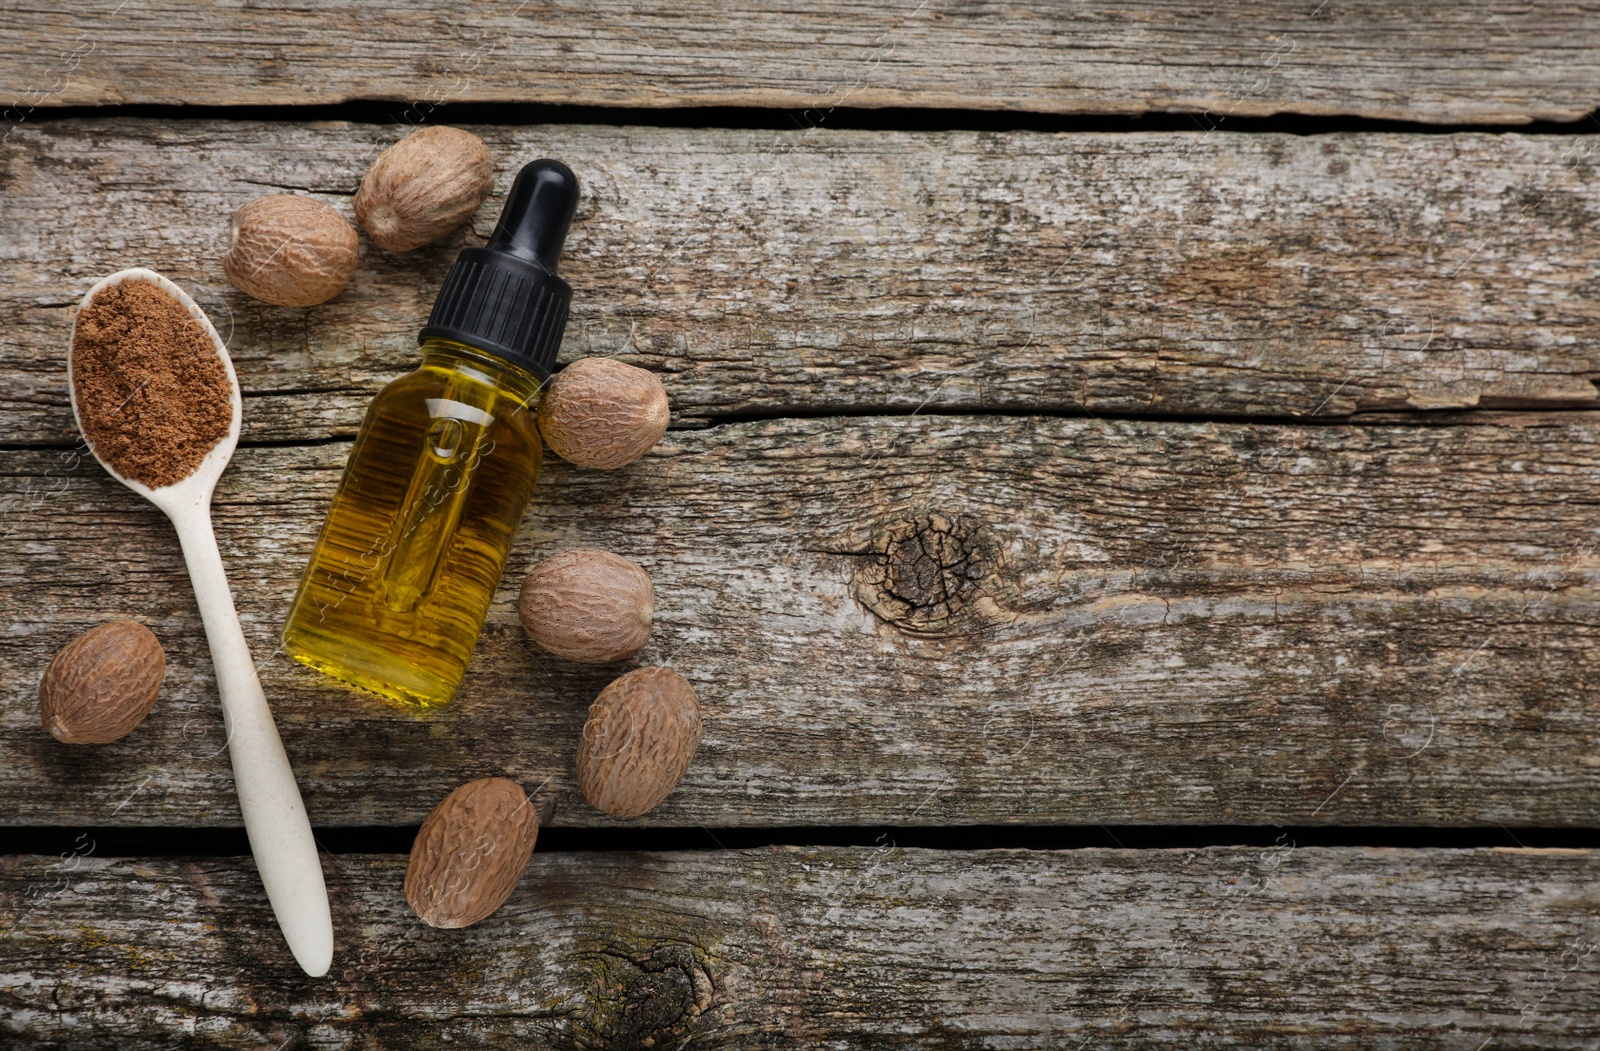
[(642, 732), (588, 605), (603, 413), (470, 853), (424, 186), (291, 250), (102, 684)]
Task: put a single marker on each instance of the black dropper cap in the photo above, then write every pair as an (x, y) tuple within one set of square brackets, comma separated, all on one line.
[(505, 297)]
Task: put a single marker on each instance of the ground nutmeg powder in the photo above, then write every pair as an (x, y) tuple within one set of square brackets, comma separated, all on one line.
[(153, 397)]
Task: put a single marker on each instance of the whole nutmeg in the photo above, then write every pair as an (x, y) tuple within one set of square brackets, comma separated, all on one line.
[(600, 412), (102, 684), (588, 605), (424, 186), (470, 853), (290, 250), (642, 732)]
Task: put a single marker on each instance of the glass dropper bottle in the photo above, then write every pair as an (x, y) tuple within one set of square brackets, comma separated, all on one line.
[(444, 466)]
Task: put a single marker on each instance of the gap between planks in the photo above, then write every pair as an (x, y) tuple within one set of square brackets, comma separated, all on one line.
[(511, 114), (113, 841)]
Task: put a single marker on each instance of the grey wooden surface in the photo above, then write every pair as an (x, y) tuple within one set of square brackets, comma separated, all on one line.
[(778, 274), (1179, 478), (1280, 946), (922, 620), (1425, 60)]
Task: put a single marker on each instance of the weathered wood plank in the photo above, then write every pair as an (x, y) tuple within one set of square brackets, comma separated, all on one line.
[(765, 273), (829, 948), (1429, 61), (922, 620)]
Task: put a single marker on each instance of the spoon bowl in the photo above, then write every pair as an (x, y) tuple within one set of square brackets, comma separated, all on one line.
[(269, 798), (200, 484)]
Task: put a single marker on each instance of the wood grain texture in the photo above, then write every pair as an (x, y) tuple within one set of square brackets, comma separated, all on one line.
[(922, 621), (1428, 60), (829, 948), (764, 273)]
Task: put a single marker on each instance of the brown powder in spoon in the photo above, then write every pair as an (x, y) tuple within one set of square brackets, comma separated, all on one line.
[(152, 395)]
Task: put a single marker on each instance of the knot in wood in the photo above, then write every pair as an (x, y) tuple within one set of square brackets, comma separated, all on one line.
[(645, 999), (926, 570)]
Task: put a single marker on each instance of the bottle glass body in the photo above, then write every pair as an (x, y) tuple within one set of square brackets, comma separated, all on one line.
[(408, 561)]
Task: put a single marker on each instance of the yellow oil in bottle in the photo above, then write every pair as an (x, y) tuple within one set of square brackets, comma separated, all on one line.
[(407, 564)]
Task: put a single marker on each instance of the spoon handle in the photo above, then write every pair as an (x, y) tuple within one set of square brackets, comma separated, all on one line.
[(274, 816)]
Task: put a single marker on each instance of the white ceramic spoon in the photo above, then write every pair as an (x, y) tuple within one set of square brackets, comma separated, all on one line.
[(274, 816)]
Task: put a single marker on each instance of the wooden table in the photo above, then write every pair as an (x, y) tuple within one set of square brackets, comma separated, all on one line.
[(1130, 517)]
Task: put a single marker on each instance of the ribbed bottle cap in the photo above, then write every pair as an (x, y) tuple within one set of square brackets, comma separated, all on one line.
[(505, 297)]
